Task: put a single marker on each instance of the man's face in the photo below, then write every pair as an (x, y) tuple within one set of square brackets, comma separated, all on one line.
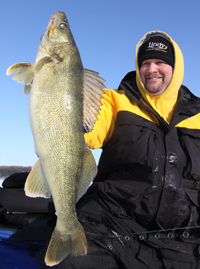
[(156, 75)]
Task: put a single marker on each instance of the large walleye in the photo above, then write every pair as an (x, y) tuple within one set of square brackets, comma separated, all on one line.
[(64, 99)]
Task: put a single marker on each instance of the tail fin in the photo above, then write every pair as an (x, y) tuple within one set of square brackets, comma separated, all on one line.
[(62, 245)]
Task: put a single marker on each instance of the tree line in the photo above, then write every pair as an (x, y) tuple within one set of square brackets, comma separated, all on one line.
[(6, 171)]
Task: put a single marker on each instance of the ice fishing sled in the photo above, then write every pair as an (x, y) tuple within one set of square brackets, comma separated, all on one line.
[(26, 224)]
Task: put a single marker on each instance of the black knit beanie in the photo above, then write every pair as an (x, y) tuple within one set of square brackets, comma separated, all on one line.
[(156, 47)]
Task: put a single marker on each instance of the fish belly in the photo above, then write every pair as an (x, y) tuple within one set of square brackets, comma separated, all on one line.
[(56, 116)]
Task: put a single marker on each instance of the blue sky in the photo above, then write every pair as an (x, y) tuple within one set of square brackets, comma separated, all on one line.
[(105, 32)]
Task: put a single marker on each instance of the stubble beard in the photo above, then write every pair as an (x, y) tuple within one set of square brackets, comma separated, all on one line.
[(153, 89)]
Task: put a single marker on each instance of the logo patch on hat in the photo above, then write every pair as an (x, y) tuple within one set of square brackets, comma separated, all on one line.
[(157, 45)]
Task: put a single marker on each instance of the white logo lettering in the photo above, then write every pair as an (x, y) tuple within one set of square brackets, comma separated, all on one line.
[(156, 45), (191, 118)]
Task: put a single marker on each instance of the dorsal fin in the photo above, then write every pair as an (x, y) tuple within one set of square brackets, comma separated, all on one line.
[(93, 90)]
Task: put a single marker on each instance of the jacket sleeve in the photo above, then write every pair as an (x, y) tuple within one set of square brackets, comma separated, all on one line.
[(105, 123)]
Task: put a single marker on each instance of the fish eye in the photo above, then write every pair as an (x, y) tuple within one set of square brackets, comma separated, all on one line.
[(63, 25)]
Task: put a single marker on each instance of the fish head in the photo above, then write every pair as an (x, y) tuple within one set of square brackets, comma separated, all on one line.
[(58, 39), (58, 30)]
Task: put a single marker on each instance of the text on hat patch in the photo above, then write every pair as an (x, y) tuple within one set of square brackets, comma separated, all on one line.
[(156, 45)]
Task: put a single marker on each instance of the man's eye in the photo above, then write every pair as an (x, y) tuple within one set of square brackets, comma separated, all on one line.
[(144, 64), (161, 62)]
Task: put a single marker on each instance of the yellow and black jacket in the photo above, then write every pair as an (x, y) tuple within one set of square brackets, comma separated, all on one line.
[(149, 170)]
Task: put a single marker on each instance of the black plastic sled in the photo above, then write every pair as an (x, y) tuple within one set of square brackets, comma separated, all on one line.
[(26, 224)]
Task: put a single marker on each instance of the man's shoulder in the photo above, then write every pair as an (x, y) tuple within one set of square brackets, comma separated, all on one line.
[(186, 94)]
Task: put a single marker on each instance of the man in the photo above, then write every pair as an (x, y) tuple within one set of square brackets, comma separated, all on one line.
[(142, 211)]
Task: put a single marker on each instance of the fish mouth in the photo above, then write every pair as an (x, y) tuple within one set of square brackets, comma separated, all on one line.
[(54, 16), (41, 37)]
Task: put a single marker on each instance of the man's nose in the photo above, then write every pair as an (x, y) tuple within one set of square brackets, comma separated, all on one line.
[(152, 68)]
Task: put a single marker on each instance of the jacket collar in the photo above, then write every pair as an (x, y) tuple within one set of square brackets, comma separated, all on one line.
[(187, 103)]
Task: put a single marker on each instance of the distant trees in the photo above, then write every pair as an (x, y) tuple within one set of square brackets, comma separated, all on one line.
[(6, 171)]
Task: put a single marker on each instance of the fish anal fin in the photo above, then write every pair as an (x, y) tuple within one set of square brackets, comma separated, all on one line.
[(36, 184), (61, 245)]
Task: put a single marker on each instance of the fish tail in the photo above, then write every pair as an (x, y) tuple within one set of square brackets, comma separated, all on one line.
[(62, 245)]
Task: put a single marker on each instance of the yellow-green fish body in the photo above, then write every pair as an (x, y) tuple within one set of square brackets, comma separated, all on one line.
[(66, 166)]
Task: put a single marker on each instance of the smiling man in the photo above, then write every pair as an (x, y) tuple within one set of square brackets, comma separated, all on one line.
[(156, 62), (142, 210)]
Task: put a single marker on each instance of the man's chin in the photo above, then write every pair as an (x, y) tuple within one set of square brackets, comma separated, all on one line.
[(154, 91)]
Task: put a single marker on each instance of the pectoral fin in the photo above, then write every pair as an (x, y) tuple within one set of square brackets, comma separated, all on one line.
[(89, 171), (24, 74), (42, 62), (36, 184)]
